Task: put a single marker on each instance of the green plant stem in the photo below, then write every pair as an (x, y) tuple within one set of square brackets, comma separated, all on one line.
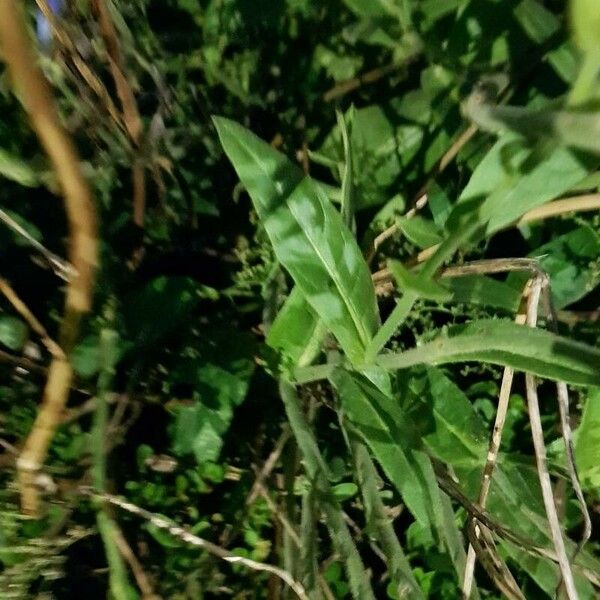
[(445, 251), (290, 548), (317, 472), (378, 522), (308, 531), (120, 587)]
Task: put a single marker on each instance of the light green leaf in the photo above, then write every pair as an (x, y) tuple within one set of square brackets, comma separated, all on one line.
[(297, 331), (421, 232), (344, 491), (85, 357), (505, 343), (13, 332), (424, 287), (585, 21), (309, 238), (17, 170), (587, 445), (513, 181)]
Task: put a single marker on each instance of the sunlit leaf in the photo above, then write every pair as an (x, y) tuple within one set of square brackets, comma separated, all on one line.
[(309, 238)]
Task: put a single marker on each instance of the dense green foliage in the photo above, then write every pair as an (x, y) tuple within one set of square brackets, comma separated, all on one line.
[(253, 318)]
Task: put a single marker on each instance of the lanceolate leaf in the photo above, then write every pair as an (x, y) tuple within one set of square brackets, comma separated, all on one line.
[(506, 343), (390, 436), (396, 444), (513, 180), (309, 238)]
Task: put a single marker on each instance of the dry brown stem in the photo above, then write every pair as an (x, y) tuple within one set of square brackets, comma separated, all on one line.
[(35, 95)]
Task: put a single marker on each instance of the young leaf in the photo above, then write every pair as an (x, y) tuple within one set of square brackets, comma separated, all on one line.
[(297, 331), (505, 343), (309, 238), (17, 170), (425, 288), (421, 232)]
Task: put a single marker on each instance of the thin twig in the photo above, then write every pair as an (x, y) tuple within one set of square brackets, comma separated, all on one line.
[(184, 535), (142, 580), (477, 513), (268, 467), (421, 196), (562, 393), (36, 97), (60, 266), (538, 282), (490, 465), (90, 78), (556, 208), (23, 363), (23, 310), (583, 203), (344, 87), (280, 516), (131, 114)]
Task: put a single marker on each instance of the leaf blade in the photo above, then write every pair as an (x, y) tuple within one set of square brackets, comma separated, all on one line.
[(308, 237), (508, 344)]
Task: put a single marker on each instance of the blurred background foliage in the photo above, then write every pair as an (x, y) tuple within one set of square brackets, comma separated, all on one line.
[(194, 412)]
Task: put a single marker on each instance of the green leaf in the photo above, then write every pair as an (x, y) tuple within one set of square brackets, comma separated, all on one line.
[(484, 291), (309, 238), (421, 232), (455, 434), (198, 429), (17, 170), (585, 21), (395, 442), (572, 128), (146, 309), (390, 436), (587, 444), (85, 357), (425, 288), (505, 343), (297, 332), (13, 332), (381, 142), (513, 180), (344, 491), (570, 262)]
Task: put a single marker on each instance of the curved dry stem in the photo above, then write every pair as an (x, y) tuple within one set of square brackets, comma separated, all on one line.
[(185, 535), (35, 95)]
